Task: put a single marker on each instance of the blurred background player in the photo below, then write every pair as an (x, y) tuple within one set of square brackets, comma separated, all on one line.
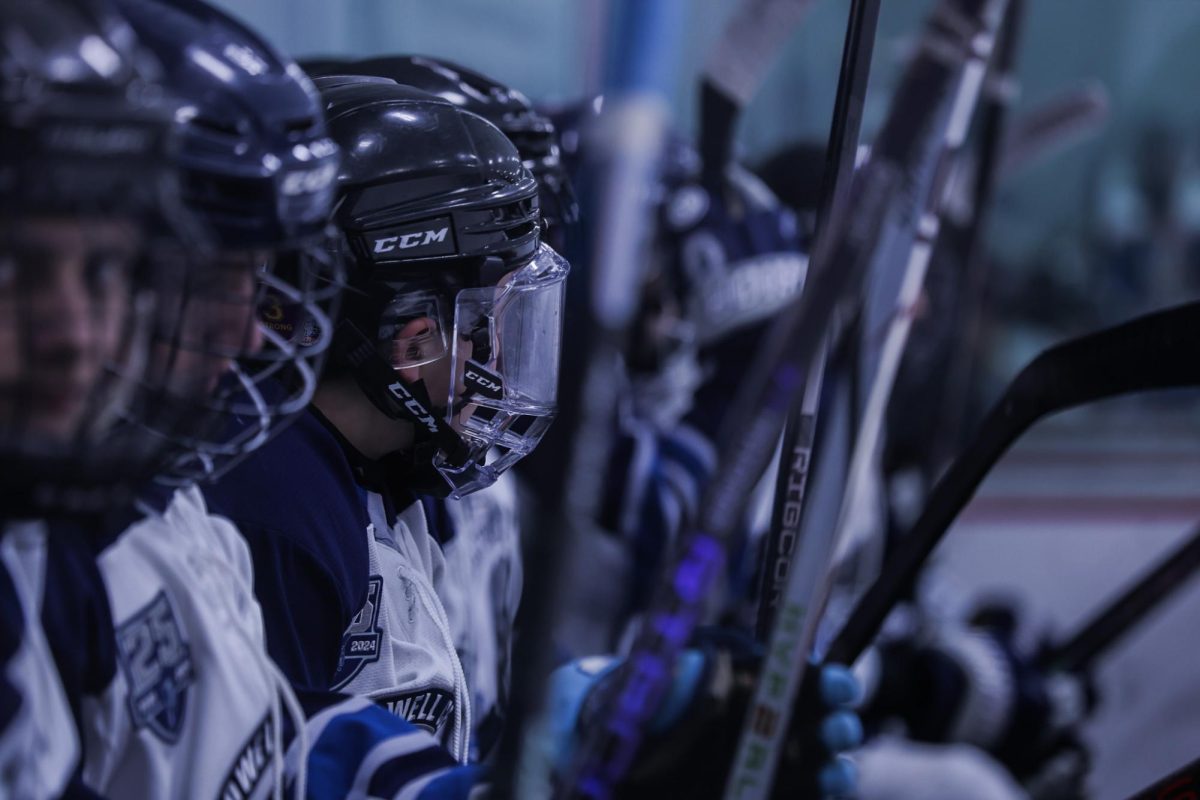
[(174, 638), (85, 162), (172, 688)]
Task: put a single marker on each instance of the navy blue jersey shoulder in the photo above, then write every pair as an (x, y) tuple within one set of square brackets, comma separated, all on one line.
[(300, 508), (75, 610)]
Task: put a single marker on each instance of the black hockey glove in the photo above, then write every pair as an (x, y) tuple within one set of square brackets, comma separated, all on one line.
[(973, 684)]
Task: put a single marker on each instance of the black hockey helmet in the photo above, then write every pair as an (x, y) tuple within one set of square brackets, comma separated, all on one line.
[(531, 131), (441, 219), (86, 176), (85, 123), (259, 170), (259, 163)]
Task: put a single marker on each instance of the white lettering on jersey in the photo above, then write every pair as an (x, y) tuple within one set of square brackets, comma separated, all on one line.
[(251, 763)]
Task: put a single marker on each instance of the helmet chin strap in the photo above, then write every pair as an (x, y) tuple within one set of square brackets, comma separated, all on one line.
[(399, 399)]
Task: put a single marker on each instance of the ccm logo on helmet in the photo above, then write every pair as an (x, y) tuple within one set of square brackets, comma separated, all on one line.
[(413, 406), (388, 244), (487, 384)]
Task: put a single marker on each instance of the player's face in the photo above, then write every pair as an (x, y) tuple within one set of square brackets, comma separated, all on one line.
[(212, 322), (438, 374), (64, 303)]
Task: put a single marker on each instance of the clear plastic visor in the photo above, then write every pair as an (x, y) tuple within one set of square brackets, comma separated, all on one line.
[(507, 338)]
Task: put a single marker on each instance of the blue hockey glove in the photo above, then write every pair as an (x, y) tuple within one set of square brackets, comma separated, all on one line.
[(690, 744)]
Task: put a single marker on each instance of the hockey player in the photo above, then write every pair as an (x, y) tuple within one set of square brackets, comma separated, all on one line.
[(84, 161), (149, 611), (481, 531), (726, 256), (445, 358)]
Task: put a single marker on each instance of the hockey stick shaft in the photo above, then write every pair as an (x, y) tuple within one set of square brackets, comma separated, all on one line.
[(1157, 351), (810, 581), (971, 257), (1116, 619), (800, 430)]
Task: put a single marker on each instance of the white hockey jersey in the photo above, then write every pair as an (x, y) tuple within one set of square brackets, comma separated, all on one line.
[(193, 709), (193, 706), (39, 749), (482, 592), (358, 595), (409, 663)]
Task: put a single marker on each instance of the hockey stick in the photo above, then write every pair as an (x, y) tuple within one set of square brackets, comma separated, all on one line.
[(791, 640), (1157, 351), (1183, 784), (1109, 625), (800, 430), (734, 71), (607, 747)]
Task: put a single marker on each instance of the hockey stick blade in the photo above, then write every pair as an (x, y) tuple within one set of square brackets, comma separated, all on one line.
[(1157, 351), (1117, 618), (752, 39)]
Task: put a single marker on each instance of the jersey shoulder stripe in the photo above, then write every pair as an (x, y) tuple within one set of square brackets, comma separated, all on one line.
[(357, 749)]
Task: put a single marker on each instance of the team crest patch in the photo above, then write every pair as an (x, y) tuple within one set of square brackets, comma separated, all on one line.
[(361, 641), (157, 665)]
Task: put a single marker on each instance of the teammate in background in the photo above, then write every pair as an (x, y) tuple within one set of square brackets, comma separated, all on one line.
[(84, 162)]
